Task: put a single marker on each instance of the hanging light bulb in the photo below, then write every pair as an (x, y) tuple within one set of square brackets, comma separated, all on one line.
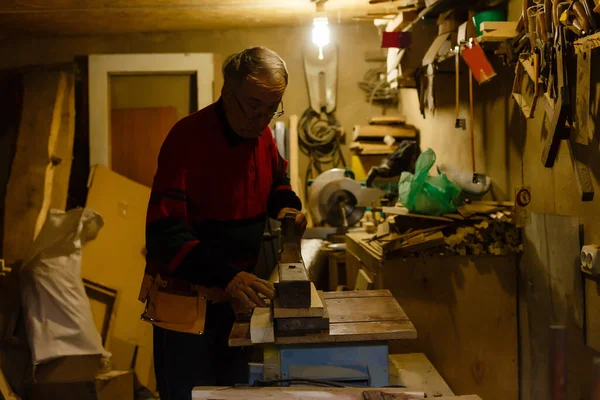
[(320, 34)]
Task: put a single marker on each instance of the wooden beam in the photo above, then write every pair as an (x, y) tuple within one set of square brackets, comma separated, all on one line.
[(261, 326), (314, 310)]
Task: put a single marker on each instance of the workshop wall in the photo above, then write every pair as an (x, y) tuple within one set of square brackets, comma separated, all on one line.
[(352, 40), (509, 149)]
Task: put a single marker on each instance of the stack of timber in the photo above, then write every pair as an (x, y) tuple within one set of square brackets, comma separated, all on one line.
[(479, 228), (369, 139), (297, 310)]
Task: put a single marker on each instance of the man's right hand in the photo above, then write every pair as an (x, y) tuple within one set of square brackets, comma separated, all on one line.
[(246, 287)]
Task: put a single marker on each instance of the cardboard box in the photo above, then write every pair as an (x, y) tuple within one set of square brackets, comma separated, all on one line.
[(115, 385), (68, 369), (110, 386)]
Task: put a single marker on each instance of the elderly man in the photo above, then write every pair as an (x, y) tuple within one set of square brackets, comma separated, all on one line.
[(219, 177)]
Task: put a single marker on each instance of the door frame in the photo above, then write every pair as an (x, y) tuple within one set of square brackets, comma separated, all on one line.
[(102, 66)]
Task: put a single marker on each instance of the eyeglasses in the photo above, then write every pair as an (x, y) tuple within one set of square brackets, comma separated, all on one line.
[(271, 115)]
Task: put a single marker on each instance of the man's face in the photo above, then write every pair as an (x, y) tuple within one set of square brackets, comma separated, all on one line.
[(251, 107)]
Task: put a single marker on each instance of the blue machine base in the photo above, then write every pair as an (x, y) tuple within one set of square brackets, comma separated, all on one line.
[(363, 364)]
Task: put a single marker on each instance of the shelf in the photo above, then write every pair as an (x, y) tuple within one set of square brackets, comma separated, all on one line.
[(433, 11)]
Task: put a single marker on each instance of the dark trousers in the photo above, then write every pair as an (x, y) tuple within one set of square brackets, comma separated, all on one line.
[(183, 360)]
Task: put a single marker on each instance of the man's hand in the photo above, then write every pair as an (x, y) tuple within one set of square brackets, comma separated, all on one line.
[(299, 216), (246, 287)]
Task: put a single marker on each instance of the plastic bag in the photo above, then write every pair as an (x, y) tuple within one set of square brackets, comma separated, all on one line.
[(58, 315), (425, 194)]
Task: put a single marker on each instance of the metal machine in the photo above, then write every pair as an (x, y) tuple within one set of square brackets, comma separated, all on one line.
[(336, 199)]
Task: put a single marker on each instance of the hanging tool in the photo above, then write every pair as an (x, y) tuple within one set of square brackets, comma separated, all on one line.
[(557, 112), (478, 179), (461, 123)]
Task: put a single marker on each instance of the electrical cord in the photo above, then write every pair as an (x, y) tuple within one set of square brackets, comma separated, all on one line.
[(319, 137), (377, 88)]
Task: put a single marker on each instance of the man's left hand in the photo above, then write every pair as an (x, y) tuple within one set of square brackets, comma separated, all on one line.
[(300, 219)]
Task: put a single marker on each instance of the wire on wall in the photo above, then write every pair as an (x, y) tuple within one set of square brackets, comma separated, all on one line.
[(319, 136)]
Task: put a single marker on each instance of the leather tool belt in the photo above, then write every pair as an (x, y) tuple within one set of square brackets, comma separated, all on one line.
[(177, 305)]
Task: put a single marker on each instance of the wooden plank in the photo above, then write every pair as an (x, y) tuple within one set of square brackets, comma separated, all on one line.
[(587, 43), (582, 172), (357, 295), (289, 326), (583, 113), (365, 309), (365, 148), (552, 292), (372, 132), (142, 129), (357, 332), (363, 281), (5, 390), (315, 309), (261, 326), (293, 287), (61, 153), (403, 211), (414, 370), (305, 393), (388, 120), (489, 26), (338, 333), (36, 170), (294, 168)]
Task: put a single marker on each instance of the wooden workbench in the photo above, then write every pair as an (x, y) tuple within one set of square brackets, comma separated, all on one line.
[(464, 308), (303, 393), (353, 317)]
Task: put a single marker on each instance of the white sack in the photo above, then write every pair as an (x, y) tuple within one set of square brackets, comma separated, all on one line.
[(58, 315)]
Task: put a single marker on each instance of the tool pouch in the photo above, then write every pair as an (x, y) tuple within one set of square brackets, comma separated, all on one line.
[(177, 305)]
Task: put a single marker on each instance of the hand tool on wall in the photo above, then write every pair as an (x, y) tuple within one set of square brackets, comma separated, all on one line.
[(461, 123), (557, 110), (478, 179)]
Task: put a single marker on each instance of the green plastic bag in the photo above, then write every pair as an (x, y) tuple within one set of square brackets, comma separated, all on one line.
[(425, 194)]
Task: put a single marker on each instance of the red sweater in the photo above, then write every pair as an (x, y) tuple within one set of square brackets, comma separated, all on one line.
[(211, 196)]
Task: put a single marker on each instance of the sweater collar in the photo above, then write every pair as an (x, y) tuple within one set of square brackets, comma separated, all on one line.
[(232, 138)]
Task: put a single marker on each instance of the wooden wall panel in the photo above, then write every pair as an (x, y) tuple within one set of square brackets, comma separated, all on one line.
[(137, 135), (551, 293), (465, 313)]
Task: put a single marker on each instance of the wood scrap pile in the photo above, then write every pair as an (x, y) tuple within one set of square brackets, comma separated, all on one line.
[(371, 139), (479, 228)]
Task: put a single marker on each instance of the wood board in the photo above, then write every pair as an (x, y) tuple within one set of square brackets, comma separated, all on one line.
[(414, 370), (262, 329), (315, 310), (552, 294), (41, 167), (380, 131), (115, 259), (465, 310), (366, 148), (293, 286), (292, 326), (304, 393), (353, 317)]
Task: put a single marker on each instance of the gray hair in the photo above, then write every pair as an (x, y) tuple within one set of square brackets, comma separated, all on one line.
[(254, 63)]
